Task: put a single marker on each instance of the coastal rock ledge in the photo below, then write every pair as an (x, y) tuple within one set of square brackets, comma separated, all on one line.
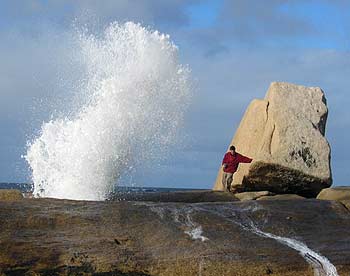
[(285, 135), (49, 237)]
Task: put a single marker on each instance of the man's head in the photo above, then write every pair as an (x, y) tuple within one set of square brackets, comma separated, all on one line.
[(232, 149)]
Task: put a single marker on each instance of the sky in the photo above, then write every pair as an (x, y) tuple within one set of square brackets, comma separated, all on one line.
[(235, 49)]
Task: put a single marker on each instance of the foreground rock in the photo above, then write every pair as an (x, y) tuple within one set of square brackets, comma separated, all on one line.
[(335, 193), (10, 195), (284, 134), (60, 237)]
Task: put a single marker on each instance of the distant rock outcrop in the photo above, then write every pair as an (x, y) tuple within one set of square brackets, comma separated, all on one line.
[(336, 193), (285, 135), (10, 195), (339, 193)]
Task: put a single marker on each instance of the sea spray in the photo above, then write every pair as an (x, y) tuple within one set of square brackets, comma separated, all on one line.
[(133, 97)]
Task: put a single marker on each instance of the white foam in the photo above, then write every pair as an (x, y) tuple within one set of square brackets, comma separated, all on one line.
[(195, 231), (196, 234), (134, 96), (181, 216)]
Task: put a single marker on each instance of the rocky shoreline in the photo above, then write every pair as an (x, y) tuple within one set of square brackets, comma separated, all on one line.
[(266, 237)]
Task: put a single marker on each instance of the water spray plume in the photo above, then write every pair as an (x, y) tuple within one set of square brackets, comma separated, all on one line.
[(134, 96)]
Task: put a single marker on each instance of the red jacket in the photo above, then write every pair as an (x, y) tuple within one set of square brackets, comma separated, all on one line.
[(232, 161)]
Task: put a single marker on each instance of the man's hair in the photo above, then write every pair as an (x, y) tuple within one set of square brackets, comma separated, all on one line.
[(233, 148)]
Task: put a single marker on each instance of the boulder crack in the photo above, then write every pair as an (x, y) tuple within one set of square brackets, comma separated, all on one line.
[(345, 206), (267, 111), (271, 137)]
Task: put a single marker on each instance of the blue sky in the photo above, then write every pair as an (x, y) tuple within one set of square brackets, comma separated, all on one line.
[(234, 48)]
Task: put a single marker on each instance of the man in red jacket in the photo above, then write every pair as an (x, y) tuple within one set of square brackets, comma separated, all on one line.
[(230, 165)]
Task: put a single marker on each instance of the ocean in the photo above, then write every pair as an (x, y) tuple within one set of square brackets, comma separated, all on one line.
[(118, 192)]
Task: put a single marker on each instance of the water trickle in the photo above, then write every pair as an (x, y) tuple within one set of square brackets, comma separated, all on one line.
[(320, 264), (182, 217), (195, 231)]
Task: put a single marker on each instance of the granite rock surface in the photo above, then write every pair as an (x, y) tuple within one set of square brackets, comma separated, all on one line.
[(61, 237)]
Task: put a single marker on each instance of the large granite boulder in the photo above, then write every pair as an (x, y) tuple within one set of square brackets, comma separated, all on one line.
[(285, 136), (45, 237)]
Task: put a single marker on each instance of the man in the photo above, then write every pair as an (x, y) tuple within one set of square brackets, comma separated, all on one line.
[(230, 165)]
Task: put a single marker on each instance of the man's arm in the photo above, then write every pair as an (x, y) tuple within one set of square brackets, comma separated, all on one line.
[(244, 159)]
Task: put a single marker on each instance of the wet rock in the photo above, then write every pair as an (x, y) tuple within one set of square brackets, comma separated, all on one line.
[(335, 193), (252, 195), (284, 134), (10, 195), (62, 237), (282, 197)]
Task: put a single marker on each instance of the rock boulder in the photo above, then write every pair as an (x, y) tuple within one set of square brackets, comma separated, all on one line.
[(285, 136)]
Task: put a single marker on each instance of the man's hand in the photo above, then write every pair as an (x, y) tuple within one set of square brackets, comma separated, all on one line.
[(224, 166)]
